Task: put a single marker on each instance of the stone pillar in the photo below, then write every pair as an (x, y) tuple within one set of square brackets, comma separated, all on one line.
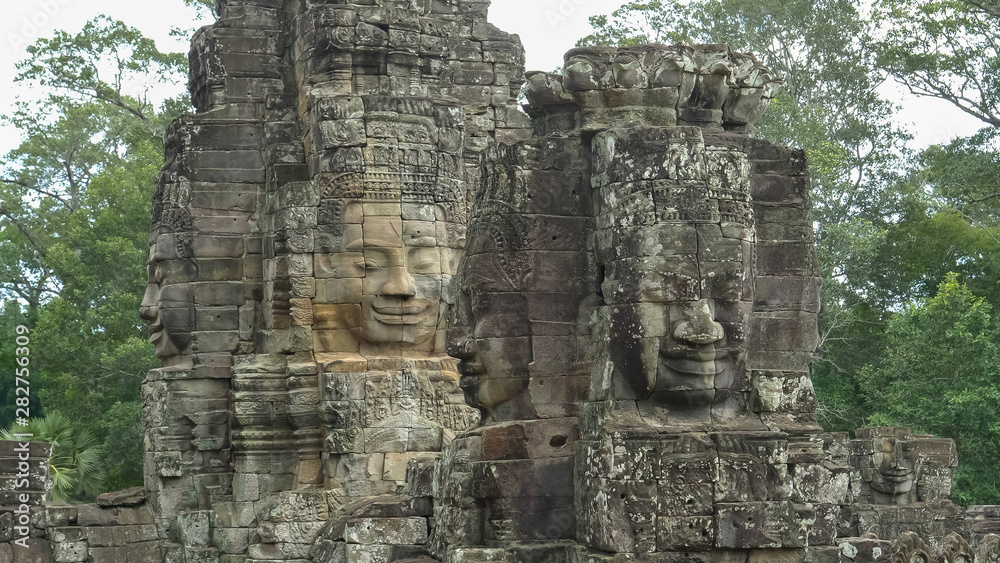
[(324, 133), (205, 260)]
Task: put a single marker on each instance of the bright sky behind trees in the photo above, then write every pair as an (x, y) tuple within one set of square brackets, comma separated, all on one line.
[(548, 28)]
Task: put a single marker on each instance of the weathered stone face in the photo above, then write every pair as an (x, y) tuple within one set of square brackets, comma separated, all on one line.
[(891, 465), (168, 305), (326, 181), (676, 238), (492, 333), (163, 326), (526, 285)]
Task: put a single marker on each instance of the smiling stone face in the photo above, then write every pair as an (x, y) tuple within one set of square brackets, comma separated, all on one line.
[(385, 287), (676, 238), (401, 291)]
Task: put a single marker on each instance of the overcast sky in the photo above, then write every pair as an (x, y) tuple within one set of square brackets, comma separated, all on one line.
[(547, 28)]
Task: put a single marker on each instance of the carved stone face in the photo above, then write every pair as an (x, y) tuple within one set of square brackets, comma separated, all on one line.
[(679, 279), (150, 312), (703, 352), (895, 477), (892, 473), (401, 291), (168, 306), (384, 288), (490, 337)]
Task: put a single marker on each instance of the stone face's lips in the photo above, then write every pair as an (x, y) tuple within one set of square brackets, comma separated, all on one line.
[(399, 319), (401, 313), (156, 330), (697, 363), (470, 368), (895, 474), (400, 309)]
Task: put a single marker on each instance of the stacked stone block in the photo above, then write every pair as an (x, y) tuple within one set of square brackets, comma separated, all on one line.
[(24, 487), (334, 113), (672, 461), (527, 284), (118, 527)]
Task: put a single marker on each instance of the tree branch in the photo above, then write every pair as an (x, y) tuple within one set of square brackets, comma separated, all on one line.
[(986, 9), (982, 199), (24, 230), (34, 188)]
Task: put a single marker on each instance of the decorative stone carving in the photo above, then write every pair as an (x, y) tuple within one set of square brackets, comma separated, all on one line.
[(894, 466), (170, 309), (898, 478), (909, 548), (989, 549), (358, 244), (526, 289), (954, 549)]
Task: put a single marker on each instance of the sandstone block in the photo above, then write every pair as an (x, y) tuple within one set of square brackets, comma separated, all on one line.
[(393, 531)]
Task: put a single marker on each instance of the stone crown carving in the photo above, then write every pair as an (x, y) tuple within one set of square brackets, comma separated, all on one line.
[(701, 83)]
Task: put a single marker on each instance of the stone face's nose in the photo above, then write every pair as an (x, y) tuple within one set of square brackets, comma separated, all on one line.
[(148, 309), (399, 284), (460, 343), (699, 326)]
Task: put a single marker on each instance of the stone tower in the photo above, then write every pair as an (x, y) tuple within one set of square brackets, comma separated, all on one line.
[(307, 225), (401, 319)]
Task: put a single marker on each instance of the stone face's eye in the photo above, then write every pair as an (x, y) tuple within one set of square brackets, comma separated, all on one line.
[(156, 274), (425, 265)]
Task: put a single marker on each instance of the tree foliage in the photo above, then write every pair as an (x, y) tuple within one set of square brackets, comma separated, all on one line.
[(107, 63), (940, 373), (74, 217), (945, 49), (75, 462)]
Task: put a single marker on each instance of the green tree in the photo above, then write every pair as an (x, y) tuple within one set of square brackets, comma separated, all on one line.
[(12, 315), (74, 213), (940, 373), (108, 63), (944, 49), (75, 462), (965, 175)]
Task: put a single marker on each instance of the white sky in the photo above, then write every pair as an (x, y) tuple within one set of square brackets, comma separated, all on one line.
[(547, 28)]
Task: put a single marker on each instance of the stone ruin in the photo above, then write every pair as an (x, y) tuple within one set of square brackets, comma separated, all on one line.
[(401, 319)]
